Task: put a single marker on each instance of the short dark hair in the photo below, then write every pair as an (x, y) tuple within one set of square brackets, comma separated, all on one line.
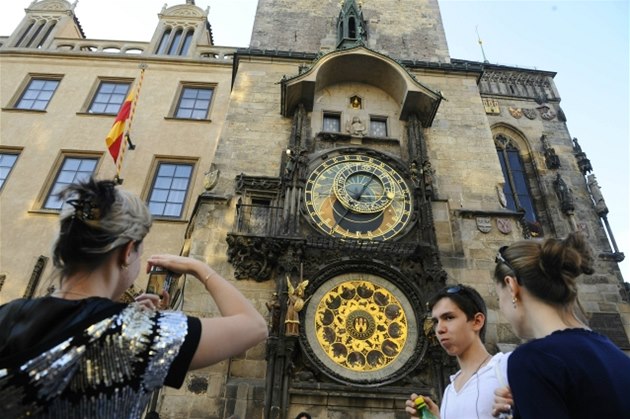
[(303, 415), (467, 299)]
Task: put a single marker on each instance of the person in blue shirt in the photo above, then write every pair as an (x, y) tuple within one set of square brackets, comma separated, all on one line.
[(564, 370)]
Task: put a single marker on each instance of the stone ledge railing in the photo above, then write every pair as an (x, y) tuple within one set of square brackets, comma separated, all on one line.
[(97, 46)]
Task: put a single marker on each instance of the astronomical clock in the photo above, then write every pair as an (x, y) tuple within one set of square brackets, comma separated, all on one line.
[(359, 325), (359, 197)]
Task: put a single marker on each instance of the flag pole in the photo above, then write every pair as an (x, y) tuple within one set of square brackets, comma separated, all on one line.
[(126, 138)]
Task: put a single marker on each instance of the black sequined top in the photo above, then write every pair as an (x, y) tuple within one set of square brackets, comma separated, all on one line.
[(90, 358)]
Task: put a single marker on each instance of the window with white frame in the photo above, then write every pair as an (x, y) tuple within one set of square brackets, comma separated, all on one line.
[(169, 189), (71, 170), (194, 102), (109, 96), (38, 93), (7, 161)]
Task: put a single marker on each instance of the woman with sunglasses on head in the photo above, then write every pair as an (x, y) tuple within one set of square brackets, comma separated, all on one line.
[(459, 317), (78, 353), (565, 370)]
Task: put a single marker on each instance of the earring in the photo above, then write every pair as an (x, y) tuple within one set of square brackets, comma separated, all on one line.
[(124, 266), (514, 301)]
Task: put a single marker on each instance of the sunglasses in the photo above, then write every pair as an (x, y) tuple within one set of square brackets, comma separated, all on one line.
[(501, 259), (460, 289)]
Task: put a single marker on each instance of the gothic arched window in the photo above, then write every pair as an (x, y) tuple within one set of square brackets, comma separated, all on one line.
[(36, 33), (175, 41), (516, 187)]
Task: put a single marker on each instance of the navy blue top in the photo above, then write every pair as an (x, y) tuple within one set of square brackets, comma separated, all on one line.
[(572, 373)]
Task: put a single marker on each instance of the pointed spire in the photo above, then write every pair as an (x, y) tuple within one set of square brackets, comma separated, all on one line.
[(483, 53), (351, 27)]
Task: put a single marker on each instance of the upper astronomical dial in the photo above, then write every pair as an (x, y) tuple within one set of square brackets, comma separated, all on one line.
[(357, 196)]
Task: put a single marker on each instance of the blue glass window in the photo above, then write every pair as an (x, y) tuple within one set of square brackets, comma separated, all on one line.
[(170, 188), (73, 169), (109, 97), (516, 188), (194, 103), (37, 94), (7, 161)]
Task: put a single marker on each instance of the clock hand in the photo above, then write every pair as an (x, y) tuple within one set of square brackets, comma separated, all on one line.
[(365, 185)]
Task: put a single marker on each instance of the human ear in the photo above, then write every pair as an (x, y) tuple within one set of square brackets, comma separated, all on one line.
[(478, 321), (512, 283), (126, 251)]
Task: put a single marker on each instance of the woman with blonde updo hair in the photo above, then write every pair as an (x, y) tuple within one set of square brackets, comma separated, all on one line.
[(564, 370), (78, 353)]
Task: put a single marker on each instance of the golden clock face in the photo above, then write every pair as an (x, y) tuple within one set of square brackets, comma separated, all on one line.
[(358, 197), (361, 327)]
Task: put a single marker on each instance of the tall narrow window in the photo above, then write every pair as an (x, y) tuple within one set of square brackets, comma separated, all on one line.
[(170, 188), (51, 26), (25, 33), (38, 29), (73, 169), (164, 41), (175, 43), (194, 102), (187, 42), (352, 28), (37, 94), (332, 122), (516, 188), (7, 161), (109, 97)]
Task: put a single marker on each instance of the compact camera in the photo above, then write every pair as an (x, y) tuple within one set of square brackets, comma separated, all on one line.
[(160, 279)]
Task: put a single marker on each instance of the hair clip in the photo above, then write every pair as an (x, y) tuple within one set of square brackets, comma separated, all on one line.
[(84, 210)]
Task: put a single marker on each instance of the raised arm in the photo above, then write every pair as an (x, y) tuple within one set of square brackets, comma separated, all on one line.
[(240, 326)]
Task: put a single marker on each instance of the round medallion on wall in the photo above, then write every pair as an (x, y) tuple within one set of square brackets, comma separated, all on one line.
[(361, 328), (357, 196)]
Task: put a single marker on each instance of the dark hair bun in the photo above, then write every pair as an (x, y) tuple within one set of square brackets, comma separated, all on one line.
[(566, 259), (92, 199)]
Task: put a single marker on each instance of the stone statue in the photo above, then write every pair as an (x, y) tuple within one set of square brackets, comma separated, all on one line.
[(295, 304), (356, 127), (551, 158), (564, 195), (415, 173), (427, 176), (292, 158), (274, 311), (598, 198)]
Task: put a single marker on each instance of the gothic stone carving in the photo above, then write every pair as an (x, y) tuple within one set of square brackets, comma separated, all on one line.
[(252, 257)]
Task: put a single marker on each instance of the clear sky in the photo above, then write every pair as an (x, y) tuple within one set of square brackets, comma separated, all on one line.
[(586, 42)]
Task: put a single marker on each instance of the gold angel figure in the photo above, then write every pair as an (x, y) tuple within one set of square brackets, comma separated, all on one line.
[(295, 305)]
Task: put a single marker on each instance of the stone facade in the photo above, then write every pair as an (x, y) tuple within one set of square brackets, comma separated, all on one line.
[(411, 30), (283, 110)]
